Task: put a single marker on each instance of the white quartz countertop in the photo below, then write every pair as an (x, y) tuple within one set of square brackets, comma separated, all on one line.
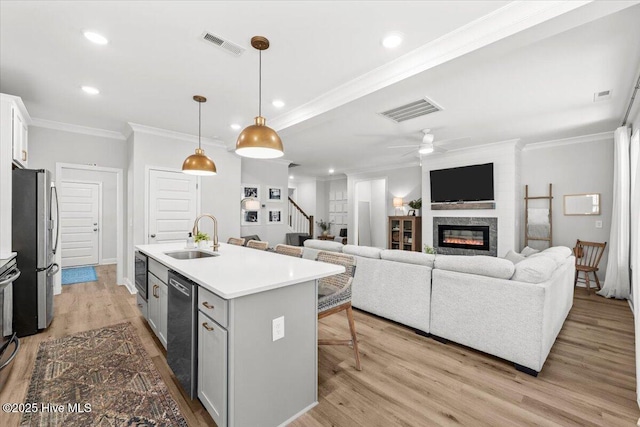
[(240, 271)]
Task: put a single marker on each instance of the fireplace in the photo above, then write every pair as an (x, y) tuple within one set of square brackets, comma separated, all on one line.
[(464, 237)]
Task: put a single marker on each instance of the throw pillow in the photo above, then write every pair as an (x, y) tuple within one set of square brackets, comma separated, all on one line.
[(528, 251), (514, 257), (534, 269), (561, 250)]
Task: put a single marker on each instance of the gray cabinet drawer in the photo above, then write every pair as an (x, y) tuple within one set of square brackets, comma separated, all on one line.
[(213, 306), (159, 270)]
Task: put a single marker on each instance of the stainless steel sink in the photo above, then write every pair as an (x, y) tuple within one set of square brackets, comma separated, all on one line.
[(195, 254)]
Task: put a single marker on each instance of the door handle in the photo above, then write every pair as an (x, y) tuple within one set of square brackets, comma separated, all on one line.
[(153, 236), (95, 229)]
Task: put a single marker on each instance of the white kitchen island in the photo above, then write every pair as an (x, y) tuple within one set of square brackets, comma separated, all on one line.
[(245, 378)]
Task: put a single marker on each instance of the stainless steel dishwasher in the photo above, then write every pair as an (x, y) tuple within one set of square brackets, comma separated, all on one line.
[(182, 335)]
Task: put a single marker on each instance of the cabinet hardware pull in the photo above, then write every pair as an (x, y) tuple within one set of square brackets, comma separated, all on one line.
[(24, 156), (206, 304), (207, 327), (154, 291)]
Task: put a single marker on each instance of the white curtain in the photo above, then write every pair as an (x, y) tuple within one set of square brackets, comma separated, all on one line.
[(635, 244), (616, 284)]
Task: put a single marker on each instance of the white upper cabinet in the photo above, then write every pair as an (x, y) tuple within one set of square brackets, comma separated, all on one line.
[(14, 122)]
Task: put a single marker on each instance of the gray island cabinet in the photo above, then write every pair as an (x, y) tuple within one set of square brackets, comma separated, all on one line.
[(256, 332)]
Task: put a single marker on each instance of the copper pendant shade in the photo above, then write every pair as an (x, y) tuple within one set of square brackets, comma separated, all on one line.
[(259, 141), (199, 163)]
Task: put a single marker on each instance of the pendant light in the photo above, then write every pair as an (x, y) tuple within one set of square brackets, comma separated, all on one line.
[(259, 141), (199, 163)]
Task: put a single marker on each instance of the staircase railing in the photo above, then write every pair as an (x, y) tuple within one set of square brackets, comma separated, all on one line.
[(299, 221)]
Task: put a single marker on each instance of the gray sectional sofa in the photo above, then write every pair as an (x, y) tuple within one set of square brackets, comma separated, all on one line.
[(511, 308)]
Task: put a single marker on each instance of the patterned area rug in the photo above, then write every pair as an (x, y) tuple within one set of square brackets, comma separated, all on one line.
[(102, 377), (78, 275)]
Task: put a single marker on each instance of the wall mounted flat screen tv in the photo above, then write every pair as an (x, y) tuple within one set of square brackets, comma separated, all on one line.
[(463, 184)]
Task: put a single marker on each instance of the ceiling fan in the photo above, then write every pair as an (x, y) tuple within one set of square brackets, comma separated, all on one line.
[(424, 147)]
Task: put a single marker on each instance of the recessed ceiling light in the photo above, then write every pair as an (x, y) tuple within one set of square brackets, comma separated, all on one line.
[(331, 171), (278, 103), (90, 90), (235, 126), (392, 40), (95, 37), (290, 176)]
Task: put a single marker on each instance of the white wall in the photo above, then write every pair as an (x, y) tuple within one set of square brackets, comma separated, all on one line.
[(220, 194), (400, 182), (266, 173), (306, 195), (573, 169), (504, 157), (48, 147)]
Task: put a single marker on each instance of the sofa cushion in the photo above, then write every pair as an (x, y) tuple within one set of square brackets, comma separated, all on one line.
[(479, 264), (536, 269), (408, 257), (514, 257), (323, 245), (363, 251), (528, 251)]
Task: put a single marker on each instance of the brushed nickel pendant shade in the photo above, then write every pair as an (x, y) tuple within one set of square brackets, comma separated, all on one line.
[(259, 141), (199, 163)]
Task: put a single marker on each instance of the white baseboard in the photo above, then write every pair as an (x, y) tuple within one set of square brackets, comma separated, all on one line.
[(106, 261), (130, 287)]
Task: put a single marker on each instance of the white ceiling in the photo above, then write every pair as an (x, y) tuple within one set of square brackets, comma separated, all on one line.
[(536, 85)]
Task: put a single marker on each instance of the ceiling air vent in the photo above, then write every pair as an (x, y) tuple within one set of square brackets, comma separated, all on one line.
[(225, 44), (418, 108), (601, 96)]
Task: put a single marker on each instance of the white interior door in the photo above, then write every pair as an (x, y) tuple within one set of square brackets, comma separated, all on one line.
[(80, 223), (172, 206)]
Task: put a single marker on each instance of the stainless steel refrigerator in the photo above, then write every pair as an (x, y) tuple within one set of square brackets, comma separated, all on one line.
[(35, 239)]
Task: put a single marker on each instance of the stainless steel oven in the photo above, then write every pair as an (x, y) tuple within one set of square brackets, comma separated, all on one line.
[(9, 342), (141, 281)]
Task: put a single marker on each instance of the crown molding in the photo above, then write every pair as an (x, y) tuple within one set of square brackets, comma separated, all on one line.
[(85, 130), (501, 23), (569, 141), (149, 130)]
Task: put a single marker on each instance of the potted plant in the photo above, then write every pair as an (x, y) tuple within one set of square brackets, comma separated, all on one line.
[(202, 240), (324, 225), (416, 205), (429, 250)]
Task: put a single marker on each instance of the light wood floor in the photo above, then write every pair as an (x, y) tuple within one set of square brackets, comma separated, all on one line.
[(407, 380)]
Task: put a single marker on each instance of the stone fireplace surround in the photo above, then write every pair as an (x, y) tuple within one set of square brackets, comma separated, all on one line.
[(492, 223)]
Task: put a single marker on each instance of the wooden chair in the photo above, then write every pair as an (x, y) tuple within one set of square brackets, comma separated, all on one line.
[(588, 256), (334, 296), (238, 241), (295, 251), (257, 244)]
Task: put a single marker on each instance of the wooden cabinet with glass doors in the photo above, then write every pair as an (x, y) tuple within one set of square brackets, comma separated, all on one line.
[(405, 233)]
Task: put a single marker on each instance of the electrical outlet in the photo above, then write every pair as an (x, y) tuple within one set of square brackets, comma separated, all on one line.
[(277, 328), (598, 224)]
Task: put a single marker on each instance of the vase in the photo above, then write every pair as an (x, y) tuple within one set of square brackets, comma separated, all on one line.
[(203, 244), (325, 232)]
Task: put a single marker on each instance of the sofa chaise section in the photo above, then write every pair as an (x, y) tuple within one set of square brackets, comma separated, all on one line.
[(516, 319)]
